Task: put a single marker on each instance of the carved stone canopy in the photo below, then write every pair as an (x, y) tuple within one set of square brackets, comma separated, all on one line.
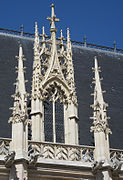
[(53, 72)]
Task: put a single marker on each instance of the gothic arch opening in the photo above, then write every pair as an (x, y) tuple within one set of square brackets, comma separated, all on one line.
[(54, 121)]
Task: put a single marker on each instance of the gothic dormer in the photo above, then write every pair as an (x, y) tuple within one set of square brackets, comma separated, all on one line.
[(55, 81)]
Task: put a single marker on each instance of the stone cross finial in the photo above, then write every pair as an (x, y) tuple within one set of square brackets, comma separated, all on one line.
[(53, 19)]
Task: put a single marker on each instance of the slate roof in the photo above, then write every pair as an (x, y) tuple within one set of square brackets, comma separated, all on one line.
[(112, 71)]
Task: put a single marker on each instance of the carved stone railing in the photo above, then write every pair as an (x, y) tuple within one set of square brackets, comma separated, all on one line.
[(57, 151), (116, 157), (47, 150), (4, 146)]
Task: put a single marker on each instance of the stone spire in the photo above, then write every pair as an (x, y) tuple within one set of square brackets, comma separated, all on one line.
[(100, 117), (70, 68), (61, 43), (20, 96), (101, 130), (43, 47), (36, 42), (19, 121), (69, 48), (36, 103), (36, 65), (43, 34), (54, 66)]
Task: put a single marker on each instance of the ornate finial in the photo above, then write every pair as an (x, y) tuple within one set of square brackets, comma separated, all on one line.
[(43, 31), (100, 117), (52, 10), (21, 29), (68, 34), (69, 48), (85, 40), (61, 35), (36, 29), (21, 81), (36, 40), (43, 34), (114, 44), (62, 44), (53, 19)]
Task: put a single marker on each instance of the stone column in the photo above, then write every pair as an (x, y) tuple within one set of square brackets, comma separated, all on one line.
[(37, 116), (71, 124)]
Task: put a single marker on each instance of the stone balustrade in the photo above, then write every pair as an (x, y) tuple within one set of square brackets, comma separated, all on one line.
[(116, 157), (57, 151), (4, 146)]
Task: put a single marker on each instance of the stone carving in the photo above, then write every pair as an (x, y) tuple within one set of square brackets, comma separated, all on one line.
[(19, 114), (61, 152), (9, 158), (116, 158), (20, 97), (53, 63), (97, 166), (100, 119), (4, 146)]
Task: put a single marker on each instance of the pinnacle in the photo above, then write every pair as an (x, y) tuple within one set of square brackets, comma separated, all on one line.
[(20, 82), (20, 98), (52, 5), (99, 105)]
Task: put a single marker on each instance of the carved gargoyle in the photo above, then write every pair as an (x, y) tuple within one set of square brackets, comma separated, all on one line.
[(33, 158), (9, 158), (97, 165)]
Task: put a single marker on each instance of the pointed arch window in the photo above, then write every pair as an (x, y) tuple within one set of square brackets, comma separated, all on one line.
[(54, 118)]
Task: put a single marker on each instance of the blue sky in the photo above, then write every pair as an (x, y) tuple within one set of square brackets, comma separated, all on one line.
[(100, 20)]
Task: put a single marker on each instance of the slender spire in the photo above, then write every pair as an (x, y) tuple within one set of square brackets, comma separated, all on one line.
[(20, 97), (21, 29), (36, 65), (43, 34), (69, 48), (21, 84), (100, 117), (85, 40), (62, 44), (36, 40), (114, 44), (70, 68), (43, 40)]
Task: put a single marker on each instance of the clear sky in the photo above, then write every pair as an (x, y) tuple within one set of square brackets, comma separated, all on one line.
[(100, 20)]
